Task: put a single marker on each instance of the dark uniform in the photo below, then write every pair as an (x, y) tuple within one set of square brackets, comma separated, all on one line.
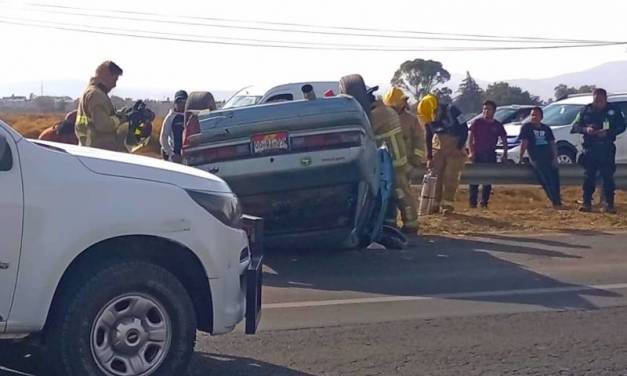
[(599, 150)]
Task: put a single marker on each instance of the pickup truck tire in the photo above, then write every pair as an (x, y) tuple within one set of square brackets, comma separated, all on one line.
[(126, 318), (355, 86), (200, 100)]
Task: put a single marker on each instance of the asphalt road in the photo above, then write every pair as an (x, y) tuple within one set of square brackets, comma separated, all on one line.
[(485, 305)]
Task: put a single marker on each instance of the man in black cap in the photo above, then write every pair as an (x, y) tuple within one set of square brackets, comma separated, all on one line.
[(599, 122), (171, 137)]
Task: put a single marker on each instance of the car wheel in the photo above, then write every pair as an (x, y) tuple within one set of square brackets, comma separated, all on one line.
[(130, 318), (355, 86), (565, 155), (200, 100)]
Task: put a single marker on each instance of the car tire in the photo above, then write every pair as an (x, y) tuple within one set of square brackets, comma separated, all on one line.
[(355, 86), (200, 100), (566, 155), (129, 315)]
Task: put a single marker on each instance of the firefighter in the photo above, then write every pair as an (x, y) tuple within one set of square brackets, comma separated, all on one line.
[(413, 131), (599, 122), (97, 123), (388, 131), (446, 148)]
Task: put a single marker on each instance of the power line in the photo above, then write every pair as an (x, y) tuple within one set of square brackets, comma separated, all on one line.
[(293, 45), (77, 11), (358, 47)]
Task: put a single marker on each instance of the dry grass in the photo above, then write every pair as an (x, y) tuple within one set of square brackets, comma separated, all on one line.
[(31, 125), (525, 210), (512, 209)]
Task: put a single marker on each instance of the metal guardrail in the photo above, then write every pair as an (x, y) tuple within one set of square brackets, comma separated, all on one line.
[(511, 174)]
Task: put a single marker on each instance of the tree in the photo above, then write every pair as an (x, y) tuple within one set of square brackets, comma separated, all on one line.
[(561, 90), (504, 94), (420, 77), (444, 94), (470, 95)]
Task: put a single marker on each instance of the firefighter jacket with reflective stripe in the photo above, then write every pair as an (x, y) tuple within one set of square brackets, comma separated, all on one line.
[(414, 136), (387, 130), (97, 124)]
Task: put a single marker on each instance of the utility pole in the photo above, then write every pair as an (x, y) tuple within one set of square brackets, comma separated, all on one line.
[(41, 89)]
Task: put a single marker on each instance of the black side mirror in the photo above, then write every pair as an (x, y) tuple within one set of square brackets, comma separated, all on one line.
[(6, 158)]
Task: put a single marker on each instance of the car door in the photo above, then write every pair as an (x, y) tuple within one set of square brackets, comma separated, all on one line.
[(621, 140), (11, 214)]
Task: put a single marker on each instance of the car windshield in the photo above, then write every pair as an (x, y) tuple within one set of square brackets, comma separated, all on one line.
[(242, 100), (561, 114), (503, 114)]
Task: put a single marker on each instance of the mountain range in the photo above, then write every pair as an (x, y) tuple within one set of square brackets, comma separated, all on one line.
[(612, 76)]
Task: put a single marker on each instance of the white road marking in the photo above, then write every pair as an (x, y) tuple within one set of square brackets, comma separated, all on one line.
[(462, 295)]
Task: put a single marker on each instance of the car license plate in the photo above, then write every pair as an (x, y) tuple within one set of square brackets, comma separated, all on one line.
[(270, 143)]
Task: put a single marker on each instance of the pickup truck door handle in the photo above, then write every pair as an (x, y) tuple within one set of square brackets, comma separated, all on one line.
[(4, 265)]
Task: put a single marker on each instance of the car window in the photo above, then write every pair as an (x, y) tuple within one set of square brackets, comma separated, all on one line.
[(561, 114), (503, 115), (623, 109), (521, 115), (242, 100), (6, 157), (280, 98)]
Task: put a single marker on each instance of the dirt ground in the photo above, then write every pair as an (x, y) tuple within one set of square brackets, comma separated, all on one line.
[(525, 209), (512, 209)]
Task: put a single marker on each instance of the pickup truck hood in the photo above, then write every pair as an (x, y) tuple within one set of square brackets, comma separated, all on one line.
[(145, 168)]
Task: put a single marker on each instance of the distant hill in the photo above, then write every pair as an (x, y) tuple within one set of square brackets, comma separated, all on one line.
[(610, 76)]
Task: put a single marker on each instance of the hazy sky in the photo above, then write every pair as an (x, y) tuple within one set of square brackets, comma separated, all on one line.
[(33, 54)]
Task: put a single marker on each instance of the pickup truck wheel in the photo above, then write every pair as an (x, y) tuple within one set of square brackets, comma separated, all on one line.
[(131, 318), (200, 100), (355, 86)]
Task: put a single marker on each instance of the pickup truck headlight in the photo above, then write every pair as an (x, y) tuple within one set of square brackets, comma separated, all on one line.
[(224, 206)]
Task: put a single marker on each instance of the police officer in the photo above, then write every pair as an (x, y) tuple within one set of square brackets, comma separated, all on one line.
[(599, 122)]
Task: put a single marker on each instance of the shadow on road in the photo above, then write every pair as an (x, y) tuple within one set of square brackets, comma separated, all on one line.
[(432, 265), (529, 239), (22, 360), (227, 365)]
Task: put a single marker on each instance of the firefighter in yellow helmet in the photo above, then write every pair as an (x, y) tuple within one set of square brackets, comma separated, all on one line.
[(388, 130), (413, 131), (446, 147)]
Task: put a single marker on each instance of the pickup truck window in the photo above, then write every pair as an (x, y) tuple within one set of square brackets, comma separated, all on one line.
[(6, 158), (280, 98)]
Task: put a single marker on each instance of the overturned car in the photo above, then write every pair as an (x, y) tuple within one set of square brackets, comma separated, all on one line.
[(311, 168)]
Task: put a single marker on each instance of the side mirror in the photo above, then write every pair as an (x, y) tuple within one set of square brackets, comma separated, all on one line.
[(6, 159)]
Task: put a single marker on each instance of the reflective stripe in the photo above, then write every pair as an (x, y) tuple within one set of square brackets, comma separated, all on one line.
[(82, 120), (388, 134), (400, 194), (400, 162), (419, 153), (606, 124), (116, 121), (409, 213)]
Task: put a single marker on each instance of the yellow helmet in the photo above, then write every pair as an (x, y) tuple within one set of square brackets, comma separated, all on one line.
[(394, 97), (427, 109)]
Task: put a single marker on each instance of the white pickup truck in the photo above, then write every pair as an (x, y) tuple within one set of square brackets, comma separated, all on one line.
[(113, 261)]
